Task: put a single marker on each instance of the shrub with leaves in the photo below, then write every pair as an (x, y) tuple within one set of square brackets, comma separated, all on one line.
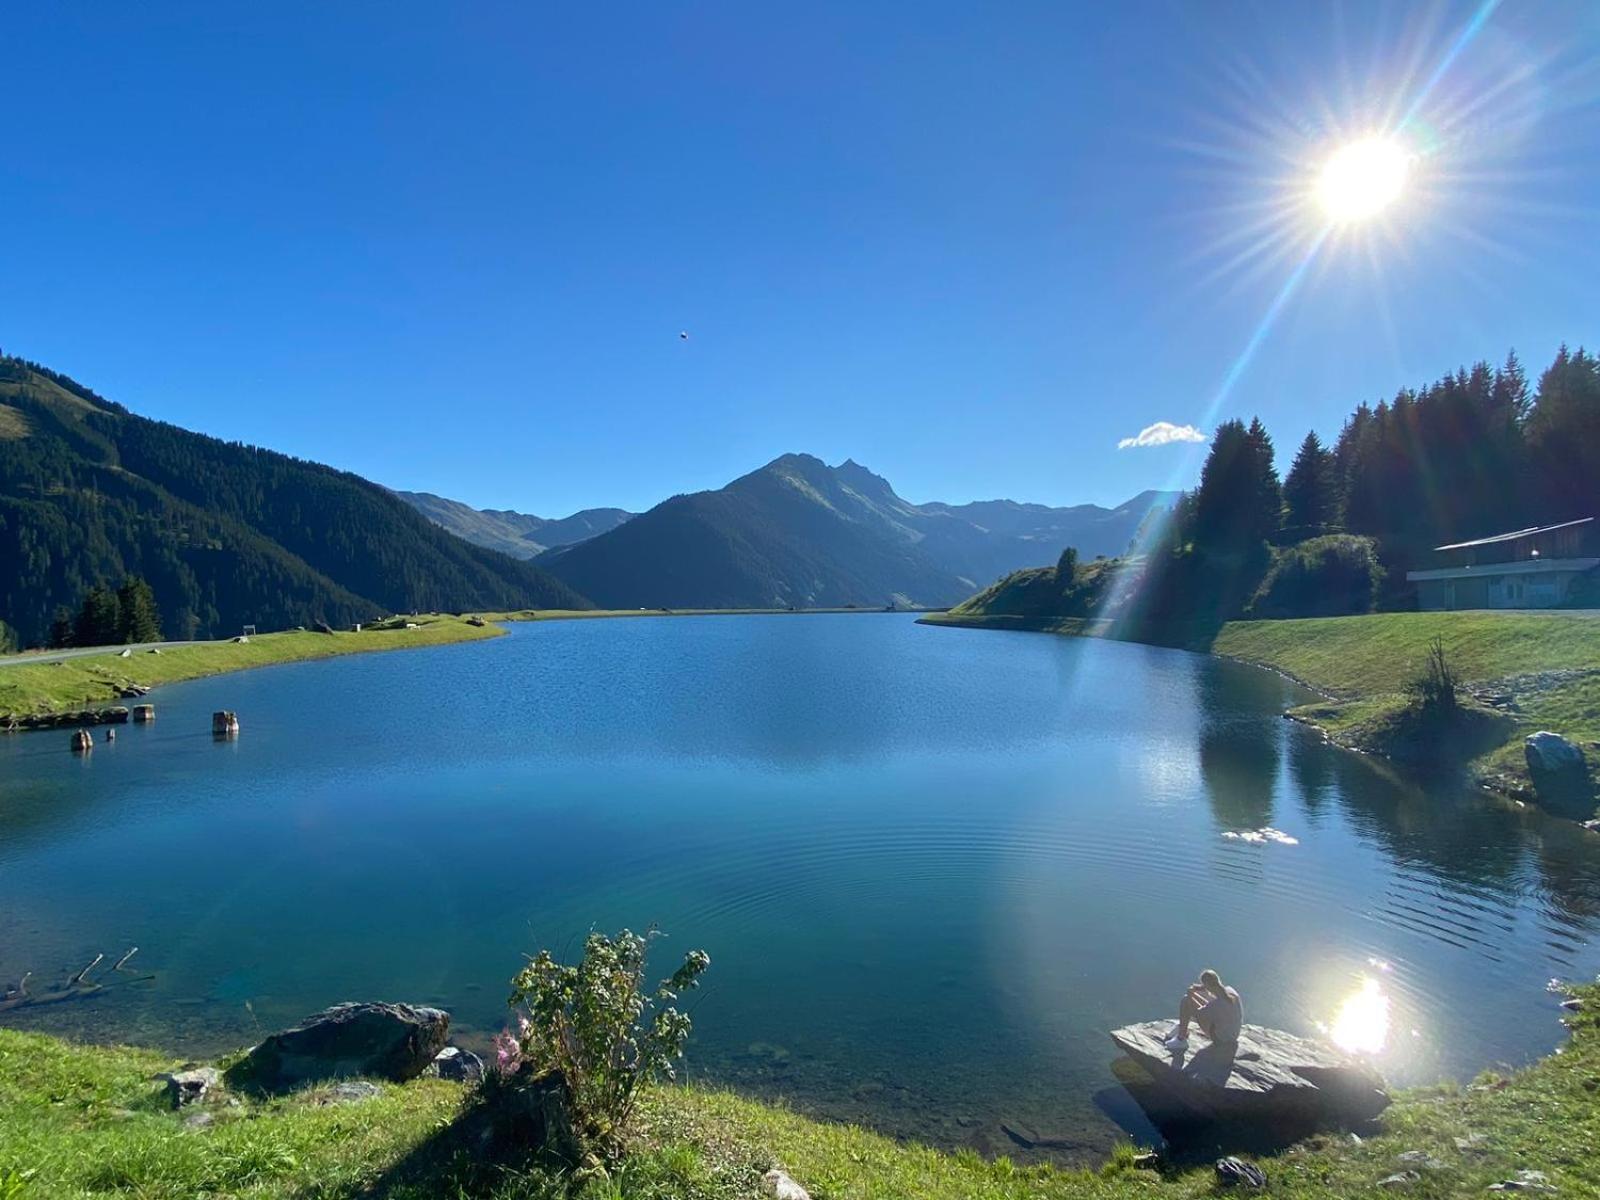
[(597, 1025)]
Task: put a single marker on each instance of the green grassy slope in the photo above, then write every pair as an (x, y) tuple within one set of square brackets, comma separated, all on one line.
[(1365, 656), (78, 1122), (93, 680)]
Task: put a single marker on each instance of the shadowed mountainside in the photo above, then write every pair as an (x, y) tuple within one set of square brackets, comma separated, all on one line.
[(799, 532), (226, 534)]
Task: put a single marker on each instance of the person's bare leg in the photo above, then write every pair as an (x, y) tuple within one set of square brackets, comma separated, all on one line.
[(1187, 1008)]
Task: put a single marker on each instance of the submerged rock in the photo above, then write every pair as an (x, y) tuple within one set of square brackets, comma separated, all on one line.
[(390, 1041), (1269, 1080)]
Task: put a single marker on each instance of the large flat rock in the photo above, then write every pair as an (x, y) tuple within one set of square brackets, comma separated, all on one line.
[(1268, 1077)]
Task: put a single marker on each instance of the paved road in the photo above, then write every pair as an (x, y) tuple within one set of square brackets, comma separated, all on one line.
[(50, 656)]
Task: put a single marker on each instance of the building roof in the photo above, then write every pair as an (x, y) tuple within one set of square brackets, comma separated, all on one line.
[(1514, 535)]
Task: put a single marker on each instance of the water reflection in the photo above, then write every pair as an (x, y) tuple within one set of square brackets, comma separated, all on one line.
[(1361, 1026), (1238, 757)]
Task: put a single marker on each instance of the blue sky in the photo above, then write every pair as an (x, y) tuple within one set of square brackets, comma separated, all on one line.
[(451, 247)]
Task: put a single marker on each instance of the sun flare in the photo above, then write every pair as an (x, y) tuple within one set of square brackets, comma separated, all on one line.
[(1362, 1023), (1362, 179)]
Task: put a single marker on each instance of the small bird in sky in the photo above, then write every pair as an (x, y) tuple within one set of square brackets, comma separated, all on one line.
[(683, 335)]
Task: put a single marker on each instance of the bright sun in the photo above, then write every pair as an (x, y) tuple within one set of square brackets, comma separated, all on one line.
[(1362, 179)]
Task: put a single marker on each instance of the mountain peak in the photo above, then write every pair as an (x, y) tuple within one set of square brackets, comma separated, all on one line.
[(853, 475)]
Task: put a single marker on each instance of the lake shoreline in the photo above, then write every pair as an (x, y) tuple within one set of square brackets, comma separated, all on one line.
[(1539, 1118), (40, 685), (1362, 695)]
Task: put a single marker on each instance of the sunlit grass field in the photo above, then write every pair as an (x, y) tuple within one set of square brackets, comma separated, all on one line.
[(94, 680)]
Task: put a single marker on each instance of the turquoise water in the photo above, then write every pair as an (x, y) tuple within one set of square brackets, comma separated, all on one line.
[(932, 866)]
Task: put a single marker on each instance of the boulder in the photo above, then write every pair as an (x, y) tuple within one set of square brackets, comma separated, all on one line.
[(192, 1086), (390, 1041), (1235, 1172), (1559, 773), (454, 1063), (1269, 1081), (535, 1112), (1551, 754), (780, 1185)]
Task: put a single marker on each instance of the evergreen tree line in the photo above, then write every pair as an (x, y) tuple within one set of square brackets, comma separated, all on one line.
[(109, 618), (1476, 453)]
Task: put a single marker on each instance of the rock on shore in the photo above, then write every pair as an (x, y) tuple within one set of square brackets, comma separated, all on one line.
[(388, 1041), (1269, 1080)]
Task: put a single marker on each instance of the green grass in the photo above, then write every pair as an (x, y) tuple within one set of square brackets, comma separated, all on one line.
[(1351, 657), (1367, 662), (76, 683), (79, 1122)]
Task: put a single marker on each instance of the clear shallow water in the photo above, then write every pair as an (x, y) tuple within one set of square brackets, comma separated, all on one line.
[(932, 866)]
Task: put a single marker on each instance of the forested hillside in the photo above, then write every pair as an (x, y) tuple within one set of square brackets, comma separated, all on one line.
[(226, 534)]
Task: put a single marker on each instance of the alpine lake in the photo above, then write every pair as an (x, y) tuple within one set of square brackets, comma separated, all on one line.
[(932, 867)]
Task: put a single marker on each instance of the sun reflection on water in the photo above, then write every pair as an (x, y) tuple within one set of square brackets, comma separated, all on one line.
[(1361, 1025)]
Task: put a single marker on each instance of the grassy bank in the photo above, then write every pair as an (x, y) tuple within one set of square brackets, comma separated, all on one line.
[(1541, 668), (89, 1122), (93, 680)]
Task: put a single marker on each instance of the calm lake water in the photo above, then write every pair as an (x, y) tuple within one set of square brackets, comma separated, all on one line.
[(932, 866)]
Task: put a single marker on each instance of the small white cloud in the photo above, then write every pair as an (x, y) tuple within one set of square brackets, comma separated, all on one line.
[(1162, 433)]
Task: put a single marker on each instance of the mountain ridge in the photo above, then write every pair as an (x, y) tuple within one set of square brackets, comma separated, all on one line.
[(521, 535), (799, 532)]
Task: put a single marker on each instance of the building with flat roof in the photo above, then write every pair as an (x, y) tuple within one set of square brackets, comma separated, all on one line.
[(1527, 568)]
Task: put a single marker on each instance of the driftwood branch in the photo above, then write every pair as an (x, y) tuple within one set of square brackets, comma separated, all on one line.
[(75, 988)]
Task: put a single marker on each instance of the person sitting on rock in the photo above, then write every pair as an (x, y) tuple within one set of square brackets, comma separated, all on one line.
[(1211, 1005)]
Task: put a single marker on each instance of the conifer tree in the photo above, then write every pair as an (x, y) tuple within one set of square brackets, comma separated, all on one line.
[(1310, 491), (99, 620), (1563, 432), (1239, 504), (137, 614), (1067, 567), (61, 628)]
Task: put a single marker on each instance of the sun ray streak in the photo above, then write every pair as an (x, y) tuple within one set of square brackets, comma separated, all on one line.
[(1463, 39)]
